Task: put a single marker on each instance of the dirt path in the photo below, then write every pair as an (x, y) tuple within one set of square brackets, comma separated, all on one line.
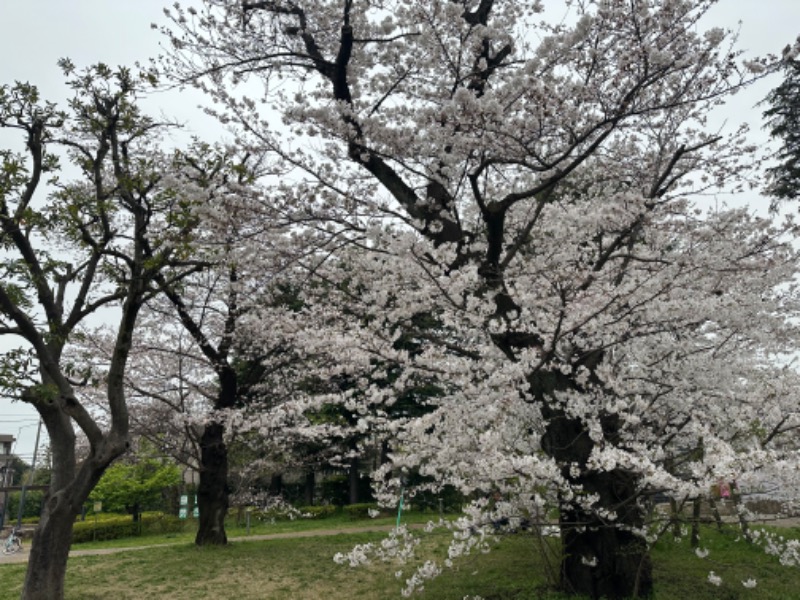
[(22, 557)]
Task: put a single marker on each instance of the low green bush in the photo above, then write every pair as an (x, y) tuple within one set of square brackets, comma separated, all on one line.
[(282, 514), (122, 526), (359, 511), (318, 512), (32, 508)]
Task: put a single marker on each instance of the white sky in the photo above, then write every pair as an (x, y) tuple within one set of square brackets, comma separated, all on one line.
[(34, 34)]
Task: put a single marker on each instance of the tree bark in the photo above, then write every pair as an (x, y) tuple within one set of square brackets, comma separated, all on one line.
[(695, 536), (69, 489), (736, 500), (310, 484), (353, 481), (276, 484), (47, 562), (715, 512), (213, 490), (601, 558)]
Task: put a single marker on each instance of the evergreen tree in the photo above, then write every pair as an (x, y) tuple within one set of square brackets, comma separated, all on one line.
[(783, 120)]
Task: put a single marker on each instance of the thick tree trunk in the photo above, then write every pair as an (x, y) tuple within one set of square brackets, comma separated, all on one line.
[(69, 489), (212, 491), (603, 562), (47, 563), (353, 481), (276, 484), (310, 484), (136, 512), (601, 558)]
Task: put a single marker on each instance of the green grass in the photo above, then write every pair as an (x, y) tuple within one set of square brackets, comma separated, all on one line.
[(281, 569), (302, 568), (258, 527), (680, 574)]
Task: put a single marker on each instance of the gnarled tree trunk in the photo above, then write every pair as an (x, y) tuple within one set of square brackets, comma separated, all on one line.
[(353, 480), (213, 491), (70, 486), (47, 563), (309, 486), (601, 558)]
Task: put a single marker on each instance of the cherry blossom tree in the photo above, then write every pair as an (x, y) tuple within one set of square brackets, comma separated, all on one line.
[(531, 189), (208, 308), (169, 388), (76, 251), (187, 372)]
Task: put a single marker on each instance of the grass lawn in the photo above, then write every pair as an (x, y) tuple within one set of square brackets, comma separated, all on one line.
[(302, 568), (258, 527)]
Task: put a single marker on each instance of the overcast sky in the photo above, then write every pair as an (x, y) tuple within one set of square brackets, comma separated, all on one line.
[(34, 34)]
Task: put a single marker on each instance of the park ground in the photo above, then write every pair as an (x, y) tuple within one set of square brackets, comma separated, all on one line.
[(294, 562)]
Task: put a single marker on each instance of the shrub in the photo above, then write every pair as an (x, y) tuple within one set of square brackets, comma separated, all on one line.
[(113, 527), (359, 511), (289, 513), (318, 512), (32, 508)]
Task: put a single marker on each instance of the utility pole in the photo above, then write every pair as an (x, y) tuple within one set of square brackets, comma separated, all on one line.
[(30, 482), (6, 472)]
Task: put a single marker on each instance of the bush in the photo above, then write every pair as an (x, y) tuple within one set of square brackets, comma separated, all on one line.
[(359, 511), (33, 505), (318, 512), (286, 514), (114, 527)]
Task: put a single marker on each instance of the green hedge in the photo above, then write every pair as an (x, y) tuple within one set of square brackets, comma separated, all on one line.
[(33, 505), (307, 512), (319, 512), (359, 511), (122, 526)]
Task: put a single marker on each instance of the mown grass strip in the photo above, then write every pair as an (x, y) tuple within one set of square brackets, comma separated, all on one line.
[(302, 568)]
